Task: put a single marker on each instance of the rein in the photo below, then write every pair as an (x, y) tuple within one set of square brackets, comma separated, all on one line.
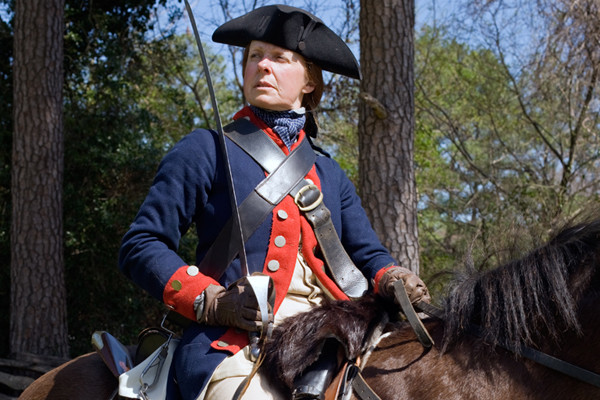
[(532, 354), (364, 392)]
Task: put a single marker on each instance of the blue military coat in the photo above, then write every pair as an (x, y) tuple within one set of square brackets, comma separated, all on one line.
[(191, 187)]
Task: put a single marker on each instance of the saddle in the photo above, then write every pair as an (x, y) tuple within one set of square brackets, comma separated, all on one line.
[(142, 370)]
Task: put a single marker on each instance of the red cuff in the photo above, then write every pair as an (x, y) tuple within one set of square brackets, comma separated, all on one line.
[(183, 288), (379, 275)]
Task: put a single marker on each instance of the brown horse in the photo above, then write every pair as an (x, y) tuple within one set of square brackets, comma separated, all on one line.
[(547, 300), (85, 377)]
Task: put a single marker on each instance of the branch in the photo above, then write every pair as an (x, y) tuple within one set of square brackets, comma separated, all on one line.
[(536, 126), (578, 126), (378, 108), (457, 143)]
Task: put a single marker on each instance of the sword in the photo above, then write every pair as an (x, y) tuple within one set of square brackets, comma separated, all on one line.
[(213, 98), (261, 284)]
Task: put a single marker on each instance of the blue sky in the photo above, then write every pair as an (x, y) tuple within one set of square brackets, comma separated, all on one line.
[(426, 11), (208, 15)]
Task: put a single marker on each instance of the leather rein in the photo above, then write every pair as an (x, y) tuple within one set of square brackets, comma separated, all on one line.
[(365, 392)]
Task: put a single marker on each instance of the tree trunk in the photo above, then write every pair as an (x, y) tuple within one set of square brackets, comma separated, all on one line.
[(38, 321), (386, 125)]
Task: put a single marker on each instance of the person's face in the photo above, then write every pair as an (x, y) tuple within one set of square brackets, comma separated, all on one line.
[(275, 78)]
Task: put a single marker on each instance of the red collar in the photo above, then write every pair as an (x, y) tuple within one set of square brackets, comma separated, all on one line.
[(247, 112)]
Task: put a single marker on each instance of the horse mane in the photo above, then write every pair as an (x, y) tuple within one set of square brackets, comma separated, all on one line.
[(513, 304), (518, 302), (297, 342)]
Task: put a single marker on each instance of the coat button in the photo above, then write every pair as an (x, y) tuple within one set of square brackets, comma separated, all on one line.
[(176, 285), (221, 343), (192, 270), (279, 241), (282, 214), (273, 265)]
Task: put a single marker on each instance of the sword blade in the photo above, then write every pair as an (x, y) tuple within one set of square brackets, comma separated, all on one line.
[(231, 186)]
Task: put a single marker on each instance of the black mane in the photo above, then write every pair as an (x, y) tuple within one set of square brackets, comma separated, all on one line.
[(297, 342), (536, 295)]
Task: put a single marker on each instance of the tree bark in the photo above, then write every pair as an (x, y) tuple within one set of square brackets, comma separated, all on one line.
[(386, 125), (38, 321)]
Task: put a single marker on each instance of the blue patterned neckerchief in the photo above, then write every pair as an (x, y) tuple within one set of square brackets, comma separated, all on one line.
[(287, 124)]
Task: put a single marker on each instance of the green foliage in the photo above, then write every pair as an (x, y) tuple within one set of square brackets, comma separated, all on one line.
[(117, 130), (464, 119), (490, 186), (112, 148), (338, 120), (127, 99)]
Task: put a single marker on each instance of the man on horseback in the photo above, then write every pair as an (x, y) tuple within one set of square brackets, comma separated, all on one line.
[(304, 240)]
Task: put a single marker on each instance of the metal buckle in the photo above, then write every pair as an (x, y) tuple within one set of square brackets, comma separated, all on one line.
[(156, 362), (314, 204)]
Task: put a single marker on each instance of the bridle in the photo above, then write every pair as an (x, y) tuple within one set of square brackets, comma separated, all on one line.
[(365, 392)]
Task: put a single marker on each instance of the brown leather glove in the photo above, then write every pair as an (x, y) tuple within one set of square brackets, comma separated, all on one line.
[(415, 287), (234, 307)]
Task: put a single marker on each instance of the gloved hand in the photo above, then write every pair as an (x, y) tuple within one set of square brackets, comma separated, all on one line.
[(234, 307), (415, 287)]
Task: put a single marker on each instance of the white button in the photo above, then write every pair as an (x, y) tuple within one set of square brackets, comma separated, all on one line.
[(192, 270), (279, 241), (273, 265), (310, 181), (282, 214)]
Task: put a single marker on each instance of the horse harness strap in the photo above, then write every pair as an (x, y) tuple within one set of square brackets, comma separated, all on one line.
[(561, 366), (286, 177), (362, 389), (551, 362), (411, 315), (350, 378), (537, 356)]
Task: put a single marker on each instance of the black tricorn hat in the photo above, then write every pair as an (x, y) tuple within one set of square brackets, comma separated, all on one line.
[(293, 29)]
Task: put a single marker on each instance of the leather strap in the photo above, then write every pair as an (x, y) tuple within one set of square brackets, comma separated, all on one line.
[(561, 366), (336, 385), (548, 361), (309, 200), (362, 389), (342, 269), (537, 356), (258, 146), (411, 315), (284, 174)]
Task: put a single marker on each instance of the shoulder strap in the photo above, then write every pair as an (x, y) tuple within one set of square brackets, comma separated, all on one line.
[(284, 174), (309, 200)]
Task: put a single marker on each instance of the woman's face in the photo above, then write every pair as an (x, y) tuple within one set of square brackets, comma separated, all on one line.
[(275, 78)]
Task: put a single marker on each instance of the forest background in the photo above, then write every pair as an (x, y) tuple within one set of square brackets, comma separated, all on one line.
[(506, 132)]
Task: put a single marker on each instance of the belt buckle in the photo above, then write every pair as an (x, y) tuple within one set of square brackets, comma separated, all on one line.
[(314, 204)]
